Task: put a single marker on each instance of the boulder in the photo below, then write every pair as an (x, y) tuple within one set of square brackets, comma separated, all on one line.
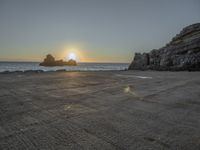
[(181, 53), (71, 62)]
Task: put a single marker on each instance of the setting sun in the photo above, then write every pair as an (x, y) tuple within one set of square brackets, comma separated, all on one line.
[(71, 52), (72, 56)]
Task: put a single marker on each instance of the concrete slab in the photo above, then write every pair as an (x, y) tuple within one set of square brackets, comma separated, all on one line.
[(100, 110)]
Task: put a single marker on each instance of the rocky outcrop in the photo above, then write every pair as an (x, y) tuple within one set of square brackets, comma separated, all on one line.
[(182, 53), (50, 61)]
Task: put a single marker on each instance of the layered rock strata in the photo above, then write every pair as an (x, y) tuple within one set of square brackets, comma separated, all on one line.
[(182, 53)]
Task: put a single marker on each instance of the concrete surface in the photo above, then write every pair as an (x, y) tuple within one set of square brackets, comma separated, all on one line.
[(100, 110)]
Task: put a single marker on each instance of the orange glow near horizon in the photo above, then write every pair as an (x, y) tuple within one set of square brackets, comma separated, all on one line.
[(85, 55)]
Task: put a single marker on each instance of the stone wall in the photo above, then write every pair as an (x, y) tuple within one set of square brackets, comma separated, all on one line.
[(181, 53)]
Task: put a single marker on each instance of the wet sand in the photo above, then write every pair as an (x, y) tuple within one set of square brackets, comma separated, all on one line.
[(100, 110)]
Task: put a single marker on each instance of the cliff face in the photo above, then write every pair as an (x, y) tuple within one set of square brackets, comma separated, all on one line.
[(182, 53)]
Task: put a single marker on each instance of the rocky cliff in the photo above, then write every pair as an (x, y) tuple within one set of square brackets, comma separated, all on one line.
[(182, 53)]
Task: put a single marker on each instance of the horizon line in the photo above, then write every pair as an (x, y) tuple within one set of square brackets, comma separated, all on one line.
[(16, 61)]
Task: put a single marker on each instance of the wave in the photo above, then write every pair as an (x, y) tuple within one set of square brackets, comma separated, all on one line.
[(8, 67)]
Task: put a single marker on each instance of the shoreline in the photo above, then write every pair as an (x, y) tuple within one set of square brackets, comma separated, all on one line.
[(63, 70), (60, 70)]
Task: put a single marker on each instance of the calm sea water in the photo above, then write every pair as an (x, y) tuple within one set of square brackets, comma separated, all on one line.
[(23, 66)]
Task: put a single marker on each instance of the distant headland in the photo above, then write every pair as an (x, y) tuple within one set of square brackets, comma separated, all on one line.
[(50, 61)]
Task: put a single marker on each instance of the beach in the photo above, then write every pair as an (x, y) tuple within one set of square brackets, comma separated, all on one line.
[(100, 110)]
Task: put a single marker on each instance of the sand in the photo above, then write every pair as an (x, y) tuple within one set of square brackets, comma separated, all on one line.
[(100, 110)]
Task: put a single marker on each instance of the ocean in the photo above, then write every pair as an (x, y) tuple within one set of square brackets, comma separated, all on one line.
[(27, 66)]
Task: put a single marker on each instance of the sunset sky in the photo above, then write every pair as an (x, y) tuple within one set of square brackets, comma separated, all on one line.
[(95, 30)]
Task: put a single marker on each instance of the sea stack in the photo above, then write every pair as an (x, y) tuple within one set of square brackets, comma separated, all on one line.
[(50, 61), (182, 53)]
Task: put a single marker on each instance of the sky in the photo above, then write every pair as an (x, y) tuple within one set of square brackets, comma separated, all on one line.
[(95, 30)]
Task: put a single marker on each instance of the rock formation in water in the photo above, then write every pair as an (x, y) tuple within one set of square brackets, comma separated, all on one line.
[(182, 53), (50, 61)]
